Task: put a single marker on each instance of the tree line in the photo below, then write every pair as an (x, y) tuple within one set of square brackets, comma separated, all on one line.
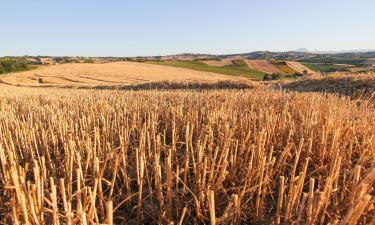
[(8, 65)]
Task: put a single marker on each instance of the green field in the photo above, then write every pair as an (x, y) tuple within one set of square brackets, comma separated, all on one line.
[(325, 68), (322, 59), (239, 68)]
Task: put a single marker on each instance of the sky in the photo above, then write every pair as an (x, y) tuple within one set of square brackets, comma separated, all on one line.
[(145, 28)]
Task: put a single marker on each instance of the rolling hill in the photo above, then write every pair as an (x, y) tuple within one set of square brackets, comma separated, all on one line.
[(263, 65), (110, 74)]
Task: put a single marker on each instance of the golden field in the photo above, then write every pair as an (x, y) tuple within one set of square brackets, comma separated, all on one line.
[(184, 157), (109, 74)]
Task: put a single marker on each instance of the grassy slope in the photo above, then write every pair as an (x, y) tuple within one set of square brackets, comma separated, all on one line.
[(238, 69), (335, 60)]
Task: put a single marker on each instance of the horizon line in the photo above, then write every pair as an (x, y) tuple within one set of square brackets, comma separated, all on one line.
[(299, 50)]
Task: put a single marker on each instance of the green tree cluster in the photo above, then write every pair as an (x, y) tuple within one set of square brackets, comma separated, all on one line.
[(8, 65), (274, 76)]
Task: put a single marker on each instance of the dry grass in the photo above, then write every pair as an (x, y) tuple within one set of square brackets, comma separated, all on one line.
[(110, 74), (159, 157)]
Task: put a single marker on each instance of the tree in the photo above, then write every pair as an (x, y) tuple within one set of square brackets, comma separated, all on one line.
[(2, 70), (266, 77), (276, 76), (12, 65)]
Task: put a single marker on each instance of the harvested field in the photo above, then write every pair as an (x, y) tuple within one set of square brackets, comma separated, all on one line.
[(239, 68), (264, 66), (110, 74), (160, 157), (223, 62), (299, 67)]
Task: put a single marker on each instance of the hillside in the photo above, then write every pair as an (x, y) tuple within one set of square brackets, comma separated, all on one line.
[(319, 62), (236, 68), (263, 65), (197, 156), (110, 74), (299, 67)]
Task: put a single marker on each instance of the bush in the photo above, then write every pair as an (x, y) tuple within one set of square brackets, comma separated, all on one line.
[(274, 76), (266, 77)]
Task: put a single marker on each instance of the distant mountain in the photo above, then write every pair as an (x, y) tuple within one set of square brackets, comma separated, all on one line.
[(301, 50), (294, 55), (335, 51), (271, 55), (297, 55)]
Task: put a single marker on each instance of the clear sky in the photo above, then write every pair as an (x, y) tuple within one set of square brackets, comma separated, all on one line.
[(140, 27)]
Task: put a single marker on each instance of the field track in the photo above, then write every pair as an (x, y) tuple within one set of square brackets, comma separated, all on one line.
[(109, 74), (299, 67)]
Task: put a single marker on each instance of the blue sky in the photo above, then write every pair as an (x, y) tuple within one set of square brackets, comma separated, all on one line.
[(133, 28)]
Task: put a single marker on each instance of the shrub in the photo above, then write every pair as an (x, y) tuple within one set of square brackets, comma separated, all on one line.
[(266, 77), (274, 76)]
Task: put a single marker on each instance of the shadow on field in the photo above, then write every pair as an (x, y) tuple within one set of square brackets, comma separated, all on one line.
[(353, 86), (165, 85)]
